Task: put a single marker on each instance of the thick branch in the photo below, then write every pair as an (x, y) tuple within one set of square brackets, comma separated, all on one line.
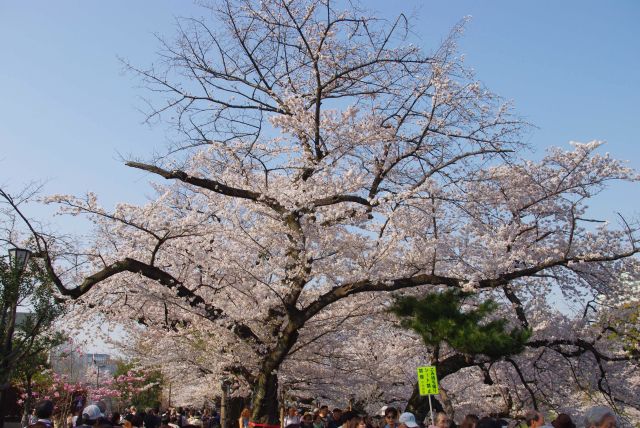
[(212, 312), (345, 290), (214, 186)]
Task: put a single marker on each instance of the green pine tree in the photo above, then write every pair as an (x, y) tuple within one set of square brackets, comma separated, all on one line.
[(441, 318)]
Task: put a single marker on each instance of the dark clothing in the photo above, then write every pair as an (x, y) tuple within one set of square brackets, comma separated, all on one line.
[(152, 421), (42, 423)]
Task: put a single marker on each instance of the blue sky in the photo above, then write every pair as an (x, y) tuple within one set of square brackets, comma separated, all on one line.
[(68, 111)]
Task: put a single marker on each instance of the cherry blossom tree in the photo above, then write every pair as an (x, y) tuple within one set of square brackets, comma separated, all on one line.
[(324, 160)]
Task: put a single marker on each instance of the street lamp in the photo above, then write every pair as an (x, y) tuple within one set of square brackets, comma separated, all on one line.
[(18, 259), (99, 365)]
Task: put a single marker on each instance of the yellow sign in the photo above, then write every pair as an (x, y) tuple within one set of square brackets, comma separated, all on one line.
[(428, 381)]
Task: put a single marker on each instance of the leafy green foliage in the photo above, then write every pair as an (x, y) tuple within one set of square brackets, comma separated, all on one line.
[(439, 317), (22, 335)]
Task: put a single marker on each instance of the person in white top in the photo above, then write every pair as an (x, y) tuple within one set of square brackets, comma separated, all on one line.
[(292, 417)]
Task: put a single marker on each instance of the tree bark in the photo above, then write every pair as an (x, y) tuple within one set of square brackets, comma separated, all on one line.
[(265, 402), (265, 393), (419, 404)]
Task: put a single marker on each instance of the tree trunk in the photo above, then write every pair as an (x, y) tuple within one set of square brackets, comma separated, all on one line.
[(265, 393), (419, 404), (265, 399), (27, 401), (446, 403)]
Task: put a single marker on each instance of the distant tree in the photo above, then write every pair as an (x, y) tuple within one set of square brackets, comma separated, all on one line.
[(141, 387), (29, 287), (29, 369)]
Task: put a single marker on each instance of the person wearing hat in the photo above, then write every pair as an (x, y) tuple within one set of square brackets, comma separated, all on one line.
[(90, 416), (407, 420), (563, 421)]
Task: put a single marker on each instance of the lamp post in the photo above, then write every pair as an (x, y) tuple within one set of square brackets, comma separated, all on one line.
[(224, 403), (97, 363), (18, 259)]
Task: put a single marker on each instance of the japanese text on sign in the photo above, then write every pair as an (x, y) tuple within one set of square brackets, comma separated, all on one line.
[(427, 380)]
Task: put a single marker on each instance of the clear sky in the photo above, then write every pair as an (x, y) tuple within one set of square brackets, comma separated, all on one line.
[(67, 109)]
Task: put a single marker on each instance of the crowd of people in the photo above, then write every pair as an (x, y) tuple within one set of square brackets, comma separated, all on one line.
[(390, 417), (95, 416)]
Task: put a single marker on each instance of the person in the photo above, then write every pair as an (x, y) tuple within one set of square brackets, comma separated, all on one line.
[(292, 419), (335, 421), (43, 412), (349, 419), (151, 419), (469, 421), (600, 417), (243, 422), (407, 420), (215, 419), (90, 416), (115, 420), (364, 422), (318, 422), (563, 421), (390, 417), (307, 421), (32, 417), (488, 422), (442, 420), (534, 419)]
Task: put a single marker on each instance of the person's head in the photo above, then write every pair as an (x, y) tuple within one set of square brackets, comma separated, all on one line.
[(292, 411), (324, 410), (563, 421), (91, 414), (245, 413), (599, 417), (337, 414), (390, 415), (103, 421), (469, 421), (307, 418), (349, 418), (534, 419), (362, 423), (44, 409), (488, 422), (442, 420), (407, 420)]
